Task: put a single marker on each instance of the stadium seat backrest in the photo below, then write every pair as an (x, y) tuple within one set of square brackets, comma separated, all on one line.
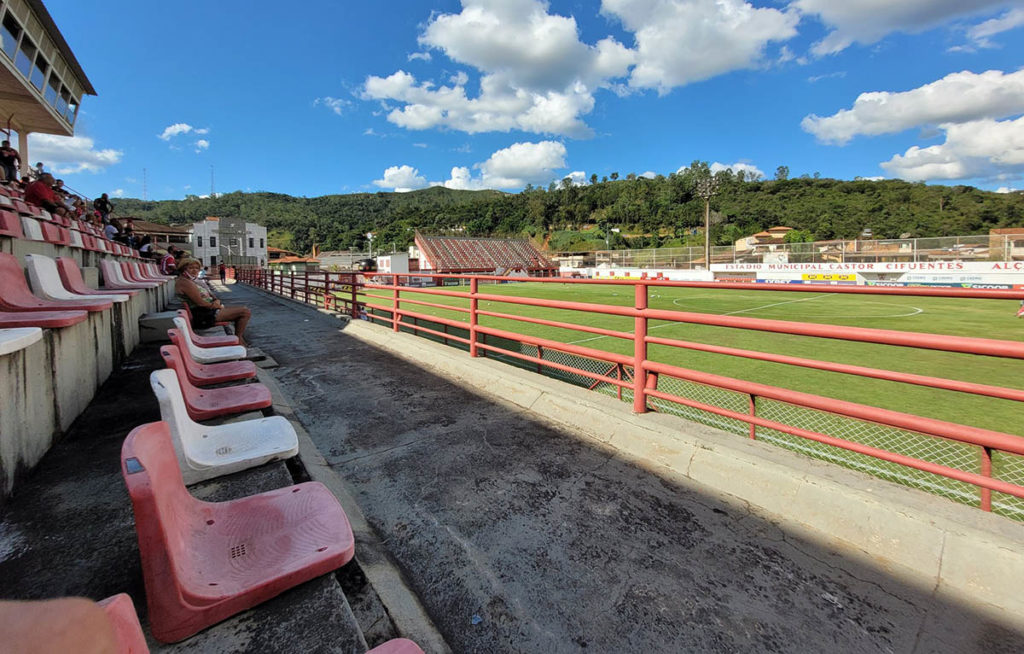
[(30, 226), (172, 405), (209, 354), (76, 239), (397, 646), (54, 233), (10, 224), (164, 509)]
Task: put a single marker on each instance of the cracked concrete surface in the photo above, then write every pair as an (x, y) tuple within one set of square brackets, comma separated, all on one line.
[(519, 536)]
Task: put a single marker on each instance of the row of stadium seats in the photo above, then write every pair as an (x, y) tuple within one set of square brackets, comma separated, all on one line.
[(203, 562), (50, 319)]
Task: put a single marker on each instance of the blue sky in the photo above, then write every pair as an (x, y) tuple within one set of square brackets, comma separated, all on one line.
[(330, 97)]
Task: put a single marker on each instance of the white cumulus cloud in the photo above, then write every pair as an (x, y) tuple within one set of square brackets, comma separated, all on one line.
[(981, 149), (337, 105), (71, 154), (957, 97), (678, 42), (118, 192), (537, 75), (202, 144), (868, 21), (173, 130), (750, 170), (402, 179), (979, 34)]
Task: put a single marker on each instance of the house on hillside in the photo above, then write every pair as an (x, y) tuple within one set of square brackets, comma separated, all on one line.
[(161, 235), (766, 241), (1006, 244)]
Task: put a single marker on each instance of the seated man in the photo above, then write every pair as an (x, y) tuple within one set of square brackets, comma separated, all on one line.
[(40, 193)]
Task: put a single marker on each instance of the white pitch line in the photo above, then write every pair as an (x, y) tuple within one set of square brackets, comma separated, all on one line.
[(803, 299), (670, 324)]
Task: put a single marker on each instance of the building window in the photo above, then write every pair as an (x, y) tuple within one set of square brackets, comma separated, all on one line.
[(233, 242), (213, 259), (199, 241), (9, 34), (25, 57), (250, 243), (213, 241), (53, 91), (261, 243), (39, 70)]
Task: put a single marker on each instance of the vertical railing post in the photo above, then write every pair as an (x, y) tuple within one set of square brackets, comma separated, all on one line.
[(986, 471), (472, 316), (640, 349), (394, 303), (353, 278), (291, 283), (753, 412)]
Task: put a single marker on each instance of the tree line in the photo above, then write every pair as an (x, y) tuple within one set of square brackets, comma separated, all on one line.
[(618, 212)]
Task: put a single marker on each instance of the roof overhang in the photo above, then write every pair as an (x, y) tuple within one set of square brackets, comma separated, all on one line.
[(23, 109)]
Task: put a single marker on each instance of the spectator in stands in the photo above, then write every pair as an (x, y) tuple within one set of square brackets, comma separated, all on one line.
[(40, 193), (9, 160), (110, 231), (103, 205), (58, 188), (206, 309), (37, 172), (168, 264), (146, 246)]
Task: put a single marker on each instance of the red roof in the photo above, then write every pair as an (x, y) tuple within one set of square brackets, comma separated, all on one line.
[(460, 254)]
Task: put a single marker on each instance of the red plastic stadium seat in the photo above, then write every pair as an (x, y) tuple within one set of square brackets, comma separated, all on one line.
[(397, 646), (48, 319), (206, 341), (54, 233), (203, 562), (16, 296), (209, 403), (121, 611), (112, 277), (71, 277), (24, 208), (206, 374), (10, 225)]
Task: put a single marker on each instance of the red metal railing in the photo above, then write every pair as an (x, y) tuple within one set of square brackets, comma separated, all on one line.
[(358, 294)]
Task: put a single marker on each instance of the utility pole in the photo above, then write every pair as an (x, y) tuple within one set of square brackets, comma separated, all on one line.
[(707, 188)]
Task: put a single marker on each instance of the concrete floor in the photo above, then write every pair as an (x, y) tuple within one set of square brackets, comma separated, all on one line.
[(520, 537)]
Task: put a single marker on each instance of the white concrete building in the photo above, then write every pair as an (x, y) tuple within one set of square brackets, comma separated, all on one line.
[(233, 241)]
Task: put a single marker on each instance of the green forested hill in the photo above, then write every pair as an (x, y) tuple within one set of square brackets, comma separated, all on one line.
[(648, 212)]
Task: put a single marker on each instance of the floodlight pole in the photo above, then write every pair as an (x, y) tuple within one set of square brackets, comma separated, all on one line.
[(707, 187)]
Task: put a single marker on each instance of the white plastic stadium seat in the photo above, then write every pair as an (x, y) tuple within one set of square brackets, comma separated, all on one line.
[(208, 354), (76, 240), (112, 271), (30, 226), (18, 338), (206, 452), (45, 281)]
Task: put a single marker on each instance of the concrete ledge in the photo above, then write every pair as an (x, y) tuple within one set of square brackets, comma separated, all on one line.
[(28, 420), (925, 540)]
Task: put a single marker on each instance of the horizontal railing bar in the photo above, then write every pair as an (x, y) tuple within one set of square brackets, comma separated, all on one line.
[(586, 352), (420, 328), (860, 371), (555, 323), (966, 344), (555, 364), (436, 305), (948, 430)]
